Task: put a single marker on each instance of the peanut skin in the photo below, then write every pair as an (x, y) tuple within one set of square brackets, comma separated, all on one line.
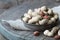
[(57, 37), (36, 33)]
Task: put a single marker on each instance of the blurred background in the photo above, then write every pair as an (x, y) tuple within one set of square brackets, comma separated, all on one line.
[(7, 4)]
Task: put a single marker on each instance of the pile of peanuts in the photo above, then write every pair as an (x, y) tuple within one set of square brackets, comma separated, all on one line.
[(54, 32), (40, 16)]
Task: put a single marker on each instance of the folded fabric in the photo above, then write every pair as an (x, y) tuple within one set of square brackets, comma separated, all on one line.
[(17, 24)]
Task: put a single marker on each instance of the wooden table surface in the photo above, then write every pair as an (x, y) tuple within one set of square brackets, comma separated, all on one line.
[(16, 12)]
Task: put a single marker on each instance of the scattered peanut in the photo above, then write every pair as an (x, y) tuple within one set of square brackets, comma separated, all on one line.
[(57, 37), (55, 29), (52, 32), (36, 33), (46, 32)]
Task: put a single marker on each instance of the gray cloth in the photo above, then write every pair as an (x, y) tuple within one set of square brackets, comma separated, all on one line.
[(18, 24)]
